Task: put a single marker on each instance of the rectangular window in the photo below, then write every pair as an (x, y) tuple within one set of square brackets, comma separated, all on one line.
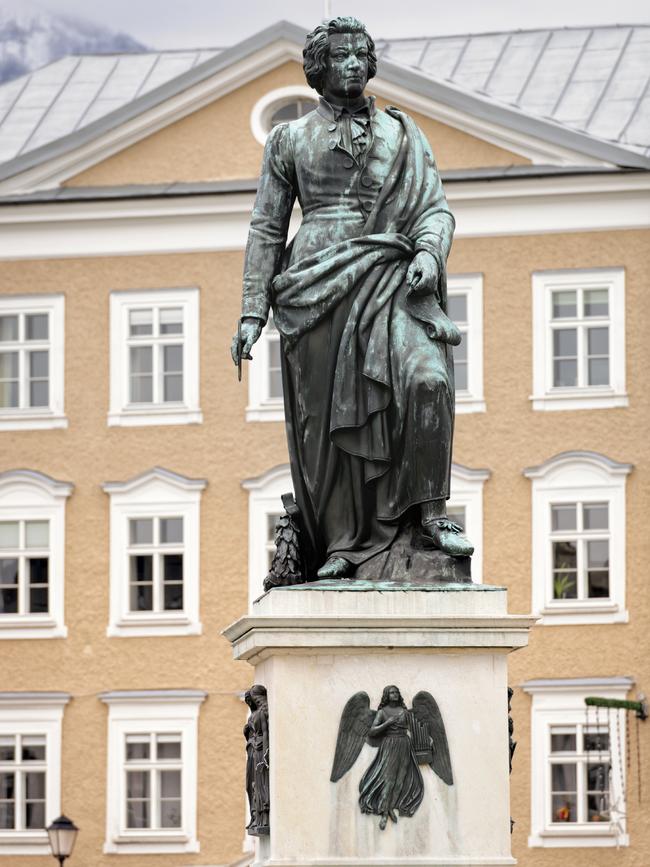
[(153, 771), (155, 553), (580, 767), (457, 309), (465, 309), (272, 519), (24, 567), (155, 347), (579, 339), (23, 767), (24, 360), (580, 550), (274, 372)]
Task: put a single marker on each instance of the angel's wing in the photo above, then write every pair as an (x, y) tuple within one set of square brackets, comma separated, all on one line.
[(429, 736), (355, 724)]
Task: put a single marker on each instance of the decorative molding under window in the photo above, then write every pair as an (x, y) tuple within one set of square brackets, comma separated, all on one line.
[(578, 498), (154, 344), (30, 742), (276, 100), (561, 730), (32, 337), (579, 339), (154, 554), (151, 732), (264, 503), (32, 555)]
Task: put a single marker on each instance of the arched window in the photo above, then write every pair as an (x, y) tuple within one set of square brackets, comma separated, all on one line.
[(291, 111), (280, 106)]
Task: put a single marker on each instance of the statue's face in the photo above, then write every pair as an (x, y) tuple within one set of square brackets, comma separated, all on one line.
[(393, 695), (347, 66)]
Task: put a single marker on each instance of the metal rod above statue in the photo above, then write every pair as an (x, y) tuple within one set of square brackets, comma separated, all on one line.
[(359, 297)]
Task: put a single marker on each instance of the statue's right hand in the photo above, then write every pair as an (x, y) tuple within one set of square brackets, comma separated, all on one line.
[(251, 328)]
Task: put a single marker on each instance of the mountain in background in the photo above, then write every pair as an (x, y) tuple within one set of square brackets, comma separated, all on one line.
[(31, 36)]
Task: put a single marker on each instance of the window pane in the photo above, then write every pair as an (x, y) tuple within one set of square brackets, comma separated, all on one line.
[(137, 814), (564, 555), (275, 371), (141, 531), (8, 394), (598, 341), (142, 389), (140, 322), (597, 777), (564, 572), (596, 302), (171, 530), (595, 740), (8, 328), (137, 784), (564, 304), (7, 786), (6, 814), (8, 365), (141, 567), (170, 784), (171, 321), (169, 747), (36, 326), (563, 517), (460, 375), (563, 742), (598, 371), (563, 808), (8, 600), (565, 374), (172, 359), (35, 814), (35, 785), (136, 748), (141, 359), (8, 534), (598, 807), (565, 343), (595, 516), (563, 778), (457, 308), (141, 597), (173, 567), (173, 597), (33, 749), (173, 387), (7, 748), (39, 393), (8, 570), (598, 585), (38, 570), (39, 363), (170, 814), (37, 534), (598, 554)]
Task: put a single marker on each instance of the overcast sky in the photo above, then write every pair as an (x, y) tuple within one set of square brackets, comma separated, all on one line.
[(196, 23)]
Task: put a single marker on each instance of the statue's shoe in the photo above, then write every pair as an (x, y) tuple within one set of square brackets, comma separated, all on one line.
[(447, 536), (335, 567)]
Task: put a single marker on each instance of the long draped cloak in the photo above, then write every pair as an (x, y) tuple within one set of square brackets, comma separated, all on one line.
[(366, 362)]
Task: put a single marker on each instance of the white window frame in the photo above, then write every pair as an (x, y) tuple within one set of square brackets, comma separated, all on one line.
[(121, 413), (174, 711), (264, 499), (156, 493), (547, 397), (41, 417), (35, 713), (265, 108), (471, 399), (568, 478), (32, 496), (562, 702)]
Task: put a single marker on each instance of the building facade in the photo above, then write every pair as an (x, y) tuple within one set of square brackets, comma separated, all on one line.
[(140, 480)]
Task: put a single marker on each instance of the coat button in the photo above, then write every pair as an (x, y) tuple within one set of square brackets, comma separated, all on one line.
[(367, 206), (332, 145), (348, 163), (431, 331), (366, 181), (332, 127)]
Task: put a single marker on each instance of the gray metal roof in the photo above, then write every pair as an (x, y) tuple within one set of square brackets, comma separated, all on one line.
[(587, 89), (594, 79)]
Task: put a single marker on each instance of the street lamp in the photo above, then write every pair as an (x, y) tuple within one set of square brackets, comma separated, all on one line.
[(62, 833)]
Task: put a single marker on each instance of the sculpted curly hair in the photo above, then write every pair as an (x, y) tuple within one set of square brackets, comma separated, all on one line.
[(385, 697), (317, 47)]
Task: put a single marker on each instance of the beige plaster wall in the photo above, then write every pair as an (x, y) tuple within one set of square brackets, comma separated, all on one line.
[(216, 143), (225, 449)]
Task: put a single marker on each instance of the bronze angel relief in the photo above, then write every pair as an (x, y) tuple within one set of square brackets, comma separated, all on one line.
[(405, 739)]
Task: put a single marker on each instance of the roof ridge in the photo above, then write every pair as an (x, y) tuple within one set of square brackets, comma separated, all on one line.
[(385, 39)]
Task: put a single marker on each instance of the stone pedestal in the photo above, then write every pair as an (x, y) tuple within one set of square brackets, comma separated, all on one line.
[(313, 648)]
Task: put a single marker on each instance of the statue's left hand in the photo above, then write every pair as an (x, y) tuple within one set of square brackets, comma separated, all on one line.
[(422, 275)]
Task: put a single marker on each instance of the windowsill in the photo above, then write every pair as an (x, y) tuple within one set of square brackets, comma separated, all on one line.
[(582, 614), (156, 625), (580, 398), (16, 626), (31, 420), (579, 835), (24, 843), (465, 403), (154, 843), (271, 410), (154, 415)]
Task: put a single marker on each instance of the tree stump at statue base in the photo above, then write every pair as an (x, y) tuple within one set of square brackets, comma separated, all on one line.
[(314, 648)]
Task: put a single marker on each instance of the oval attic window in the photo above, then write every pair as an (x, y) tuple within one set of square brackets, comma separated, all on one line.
[(291, 111)]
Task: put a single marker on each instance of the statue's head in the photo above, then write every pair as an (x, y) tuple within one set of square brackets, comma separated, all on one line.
[(339, 58), (391, 695), (257, 694)]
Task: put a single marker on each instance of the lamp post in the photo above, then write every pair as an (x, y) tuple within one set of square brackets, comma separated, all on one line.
[(62, 833)]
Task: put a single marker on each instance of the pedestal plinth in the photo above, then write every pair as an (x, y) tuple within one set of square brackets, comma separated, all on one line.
[(313, 647)]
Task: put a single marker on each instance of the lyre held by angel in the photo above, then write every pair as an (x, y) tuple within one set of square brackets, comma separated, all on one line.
[(405, 739)]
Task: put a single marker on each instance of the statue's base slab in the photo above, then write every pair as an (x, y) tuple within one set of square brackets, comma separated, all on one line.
[(314, 647)]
